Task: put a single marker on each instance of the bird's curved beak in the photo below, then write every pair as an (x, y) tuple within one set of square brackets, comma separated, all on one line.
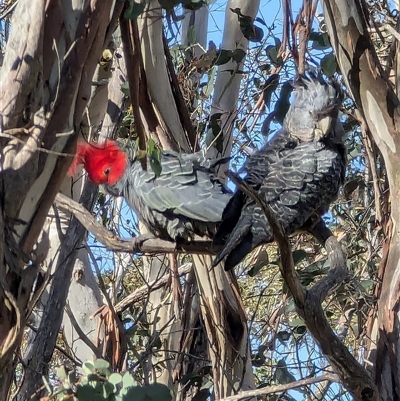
[(325, 125)]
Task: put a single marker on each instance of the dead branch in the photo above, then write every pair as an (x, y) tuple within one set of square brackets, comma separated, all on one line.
[(145, 244), (308, 303)]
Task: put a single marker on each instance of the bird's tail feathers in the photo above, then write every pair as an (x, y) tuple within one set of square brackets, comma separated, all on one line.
[(248, 243), (230, 217)]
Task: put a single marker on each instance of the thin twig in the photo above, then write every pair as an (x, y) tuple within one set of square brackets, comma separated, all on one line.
[(75, 361)]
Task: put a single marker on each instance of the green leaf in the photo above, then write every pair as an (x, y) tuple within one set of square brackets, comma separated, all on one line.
[(223, 56), (191, 36), (320, 40), (88, 393), (296, 322), (270, 87), (261, 21), (207, 89), (283, 103), (214, 135), (367, 284), (93, 377), (128, 380), (300, 330), (115, 378), (108, 389), (329, 65), (88, 367), (72, 376), (102, 366), (238, 55), (134, 10), (154, 157), (169, 4), (278, 42), (155, 163), (272, 54), (350, 186), (151, 146), (282, 374), (153, 392), (202, 395), (47, 385), (193, 379), (125, 89), (193, 5), (283, 336), (261, 261)]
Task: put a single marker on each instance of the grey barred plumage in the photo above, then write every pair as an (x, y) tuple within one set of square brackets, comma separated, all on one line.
[(298, 173), (185, 200)]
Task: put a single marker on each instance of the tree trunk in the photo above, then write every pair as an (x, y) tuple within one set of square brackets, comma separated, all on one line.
[(227, 85), (53, 44), (227, 310), (347, 23)]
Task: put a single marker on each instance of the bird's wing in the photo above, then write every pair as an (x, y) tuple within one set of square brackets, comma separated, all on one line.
[(185, 187)]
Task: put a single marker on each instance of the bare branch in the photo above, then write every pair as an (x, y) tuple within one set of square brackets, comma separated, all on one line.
[(146, 244), (308, 303), (281, 387)]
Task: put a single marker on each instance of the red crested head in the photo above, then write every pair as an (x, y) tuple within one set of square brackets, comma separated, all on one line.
[(105, 163)]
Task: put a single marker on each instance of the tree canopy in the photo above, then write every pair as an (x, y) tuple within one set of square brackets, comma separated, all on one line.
[(94, 308)]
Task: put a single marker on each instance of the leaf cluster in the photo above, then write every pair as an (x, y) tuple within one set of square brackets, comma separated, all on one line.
[(98, 383)]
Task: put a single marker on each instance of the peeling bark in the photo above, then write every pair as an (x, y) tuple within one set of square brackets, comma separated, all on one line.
[(347, 23), (42, 97)]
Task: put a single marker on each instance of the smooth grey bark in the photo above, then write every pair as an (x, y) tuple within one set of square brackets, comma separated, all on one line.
[(378, 105)]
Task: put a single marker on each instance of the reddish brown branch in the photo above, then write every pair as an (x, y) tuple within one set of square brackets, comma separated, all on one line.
[(281, 387), (133, 57), (180, 103)]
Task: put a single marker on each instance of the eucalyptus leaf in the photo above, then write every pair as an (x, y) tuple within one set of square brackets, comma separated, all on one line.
[(88, 367)]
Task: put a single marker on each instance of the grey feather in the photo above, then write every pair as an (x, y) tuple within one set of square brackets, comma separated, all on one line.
[(184, 200)]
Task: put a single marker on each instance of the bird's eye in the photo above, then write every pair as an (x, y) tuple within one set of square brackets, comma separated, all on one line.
[(107, 171)]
